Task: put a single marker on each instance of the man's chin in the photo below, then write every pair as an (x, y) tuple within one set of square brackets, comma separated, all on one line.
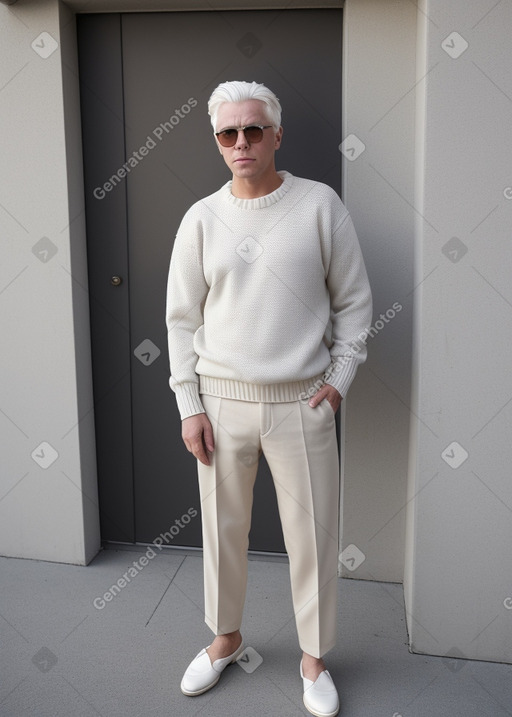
[(244, 168)]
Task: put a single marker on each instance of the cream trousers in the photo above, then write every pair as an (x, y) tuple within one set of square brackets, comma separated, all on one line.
[(299, 444)]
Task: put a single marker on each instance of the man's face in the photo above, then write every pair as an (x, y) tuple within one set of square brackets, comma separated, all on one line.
[(246, 160)]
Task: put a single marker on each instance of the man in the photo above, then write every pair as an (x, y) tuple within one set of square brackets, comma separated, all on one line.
[(268, 299)]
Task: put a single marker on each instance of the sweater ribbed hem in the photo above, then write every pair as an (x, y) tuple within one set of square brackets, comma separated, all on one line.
[(264, 392)]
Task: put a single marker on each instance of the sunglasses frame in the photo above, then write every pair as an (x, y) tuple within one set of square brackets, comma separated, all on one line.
[(238, 129)]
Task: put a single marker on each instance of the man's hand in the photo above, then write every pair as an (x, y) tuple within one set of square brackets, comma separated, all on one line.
[(330, 393), (197, 434)]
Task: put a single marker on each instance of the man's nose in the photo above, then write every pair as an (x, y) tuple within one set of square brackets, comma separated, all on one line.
[(241, 140)]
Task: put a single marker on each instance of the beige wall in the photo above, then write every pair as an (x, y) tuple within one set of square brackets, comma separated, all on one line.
[(379, 47), (48, 510), (457, 586)]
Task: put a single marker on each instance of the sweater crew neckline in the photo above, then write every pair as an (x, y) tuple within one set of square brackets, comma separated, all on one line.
[(259, 202)]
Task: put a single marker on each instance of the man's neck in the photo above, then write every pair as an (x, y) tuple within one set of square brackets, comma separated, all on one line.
[(246, 188)]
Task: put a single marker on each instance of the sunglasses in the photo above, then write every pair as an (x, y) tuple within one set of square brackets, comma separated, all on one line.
[(253, 134)]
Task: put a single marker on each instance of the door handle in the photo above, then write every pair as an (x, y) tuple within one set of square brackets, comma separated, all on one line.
[(116, 280)]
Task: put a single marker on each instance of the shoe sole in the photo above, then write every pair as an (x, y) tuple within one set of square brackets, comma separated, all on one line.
[(200, 692), (319, 714)]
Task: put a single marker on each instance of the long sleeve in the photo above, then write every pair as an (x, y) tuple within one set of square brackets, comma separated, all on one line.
[(186, 295), (351, 306)]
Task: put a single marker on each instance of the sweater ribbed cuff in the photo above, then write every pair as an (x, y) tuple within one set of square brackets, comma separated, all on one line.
[(341, 373), (188, 399)]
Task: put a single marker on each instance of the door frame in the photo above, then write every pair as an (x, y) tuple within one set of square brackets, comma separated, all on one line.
[(125, 466)]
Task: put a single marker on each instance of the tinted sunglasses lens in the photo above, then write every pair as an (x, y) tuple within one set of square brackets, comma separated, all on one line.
[(253, 134), (228, 137)]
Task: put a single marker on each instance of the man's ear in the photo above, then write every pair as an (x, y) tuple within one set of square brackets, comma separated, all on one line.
[(278, 138)]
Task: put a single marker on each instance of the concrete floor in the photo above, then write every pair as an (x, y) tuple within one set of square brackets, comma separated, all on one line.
[(62, 656)]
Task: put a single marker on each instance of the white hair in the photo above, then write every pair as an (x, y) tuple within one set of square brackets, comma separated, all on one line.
[(238, 91)]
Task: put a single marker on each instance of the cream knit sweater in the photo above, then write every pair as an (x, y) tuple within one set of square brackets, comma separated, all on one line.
[(266, 297)]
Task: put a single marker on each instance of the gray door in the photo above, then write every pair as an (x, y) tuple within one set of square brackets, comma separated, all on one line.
[(149, 154)]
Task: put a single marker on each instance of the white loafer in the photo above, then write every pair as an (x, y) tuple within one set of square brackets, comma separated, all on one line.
[(201, 675), (320, 697)]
